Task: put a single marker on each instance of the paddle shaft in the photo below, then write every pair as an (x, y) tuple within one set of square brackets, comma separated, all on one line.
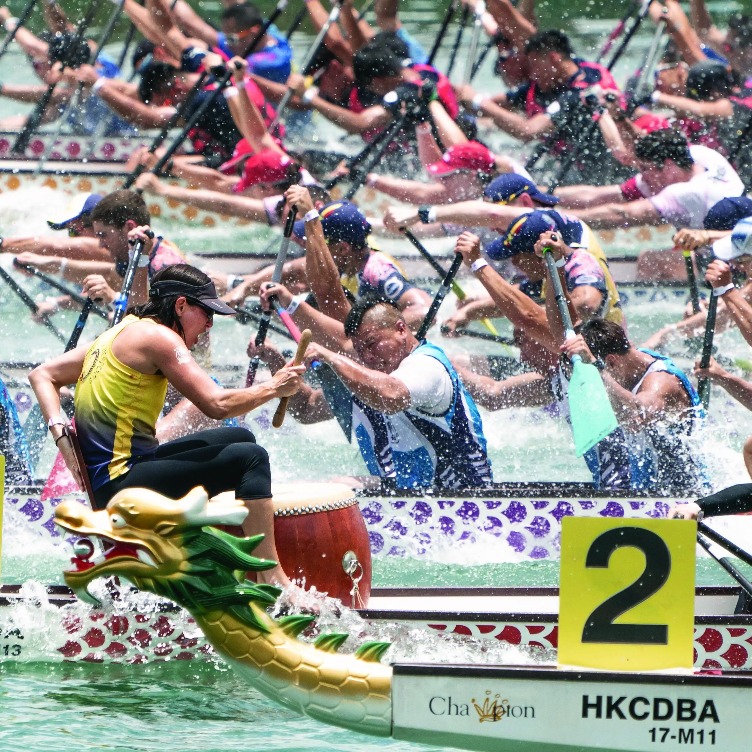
[(266, 316), (452, 7), (648, 64), (22, 19), (52, 282), (561, 301), (385, 138), (694, 293), (508, 341), (472, 53), (730, 546), (206, 104), (703, 385), (615, 34), (441, 293), (27, 300), (745, 584), (121, 302), (464, 18), (80, 324), (306, 66), (35, 118), (279, 413)]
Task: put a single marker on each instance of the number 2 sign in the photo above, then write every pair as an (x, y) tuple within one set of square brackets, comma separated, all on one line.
[(627, 593)]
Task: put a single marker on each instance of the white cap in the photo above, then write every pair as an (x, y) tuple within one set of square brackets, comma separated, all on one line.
[(738, 243)]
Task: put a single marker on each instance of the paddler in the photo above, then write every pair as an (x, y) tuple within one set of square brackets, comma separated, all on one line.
[(121, 381)]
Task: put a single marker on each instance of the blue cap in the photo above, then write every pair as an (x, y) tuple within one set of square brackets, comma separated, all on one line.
[(522, 235), (727, 212), (79, 207), (510, 186), (340, 220)]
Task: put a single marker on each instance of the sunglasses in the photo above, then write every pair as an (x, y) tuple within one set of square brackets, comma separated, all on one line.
[(208, 311), (234, 38)]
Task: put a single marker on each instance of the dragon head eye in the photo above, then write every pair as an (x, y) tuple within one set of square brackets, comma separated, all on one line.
[(117, 521)]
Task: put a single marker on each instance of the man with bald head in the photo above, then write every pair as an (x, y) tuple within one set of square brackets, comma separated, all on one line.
[(415, 423)]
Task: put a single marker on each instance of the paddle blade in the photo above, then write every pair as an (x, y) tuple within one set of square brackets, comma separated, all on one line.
[(590, 410)]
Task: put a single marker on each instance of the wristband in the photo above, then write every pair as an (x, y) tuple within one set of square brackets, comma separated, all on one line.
[(477, 102), (477, 265), (311, 215), (427, 214), (370, 182), (63, 435), (52, 422), (63, 266), (98, 84), (143, 259), (309, 94), (10, 23), (718, 291), (599, 364), (295, 302), (560, 263), (230, 92), (233, 281), (655, 96)]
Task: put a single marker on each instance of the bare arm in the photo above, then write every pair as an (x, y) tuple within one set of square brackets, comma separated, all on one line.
[(524, 390), (215, 201), (352, 122), (585, 196), (640, 212), (690, 107), (69, 248), (512, 23), (381, 391), (519, 126), (411, 191), (193, 25)]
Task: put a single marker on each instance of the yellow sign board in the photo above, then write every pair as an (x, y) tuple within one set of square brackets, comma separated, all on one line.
[(627, 593)]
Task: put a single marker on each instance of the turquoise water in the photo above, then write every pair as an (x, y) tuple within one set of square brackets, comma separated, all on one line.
[(204, 707)]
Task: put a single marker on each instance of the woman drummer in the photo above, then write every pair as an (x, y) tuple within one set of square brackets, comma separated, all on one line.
[(121, 380)]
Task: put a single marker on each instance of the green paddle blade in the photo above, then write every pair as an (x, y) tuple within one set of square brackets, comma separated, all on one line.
[(590, 410)]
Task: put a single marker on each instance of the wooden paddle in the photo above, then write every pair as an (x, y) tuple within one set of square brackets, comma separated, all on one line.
[(590, 412), (703, 385), (279, 413)]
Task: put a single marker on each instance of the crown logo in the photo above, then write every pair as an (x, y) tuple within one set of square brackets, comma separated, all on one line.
[(493, 708)]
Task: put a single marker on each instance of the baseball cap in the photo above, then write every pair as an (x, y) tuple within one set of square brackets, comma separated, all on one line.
[(523, 233), (650, 122), (467, 156), (507, 187), (739, 243), (204, 295), (727, 212), (265, 166), (78, 207), (240, 153), (340, 220)]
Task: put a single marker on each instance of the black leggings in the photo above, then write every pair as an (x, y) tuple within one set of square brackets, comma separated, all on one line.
[(219, 459), (732, 500)]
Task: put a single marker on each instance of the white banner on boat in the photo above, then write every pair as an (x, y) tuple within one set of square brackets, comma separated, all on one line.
[(516, 710)]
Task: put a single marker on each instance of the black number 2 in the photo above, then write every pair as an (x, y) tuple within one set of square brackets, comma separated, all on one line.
[(600, 626)]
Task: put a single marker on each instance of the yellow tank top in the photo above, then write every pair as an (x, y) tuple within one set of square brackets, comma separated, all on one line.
[(117, 409)]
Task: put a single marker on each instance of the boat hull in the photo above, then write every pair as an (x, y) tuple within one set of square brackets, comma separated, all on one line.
[(521, 521), (51, 625), (517, 709)]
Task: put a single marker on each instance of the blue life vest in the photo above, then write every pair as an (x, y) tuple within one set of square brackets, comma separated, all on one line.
[(418, 450), (658, 458)]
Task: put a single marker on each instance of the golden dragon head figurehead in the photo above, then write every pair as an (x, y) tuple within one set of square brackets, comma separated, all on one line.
[(159, 544)]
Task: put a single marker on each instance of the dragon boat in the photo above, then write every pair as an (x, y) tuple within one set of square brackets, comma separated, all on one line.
[(172, 549), (72, 148), (513, 521)]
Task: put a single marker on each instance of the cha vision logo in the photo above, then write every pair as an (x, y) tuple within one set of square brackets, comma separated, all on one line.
[(491, 708)]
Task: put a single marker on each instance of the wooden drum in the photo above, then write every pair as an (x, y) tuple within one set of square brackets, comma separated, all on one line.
[(315, 526)]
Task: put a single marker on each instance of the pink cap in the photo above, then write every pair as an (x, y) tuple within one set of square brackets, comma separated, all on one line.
[(266, 166), (469, 156), (242, 151)]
